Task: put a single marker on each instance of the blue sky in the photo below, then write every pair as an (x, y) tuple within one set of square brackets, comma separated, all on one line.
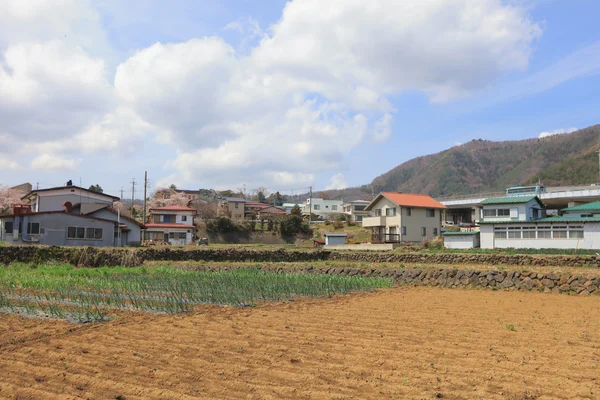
[(231, 94)]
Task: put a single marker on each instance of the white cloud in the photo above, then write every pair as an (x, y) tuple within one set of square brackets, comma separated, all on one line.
[(289, 103), (53, 162), (556, 132), (6, 164), (337, 181)]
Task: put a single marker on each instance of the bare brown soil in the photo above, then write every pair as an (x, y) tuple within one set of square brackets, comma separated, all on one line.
[(417, 343)]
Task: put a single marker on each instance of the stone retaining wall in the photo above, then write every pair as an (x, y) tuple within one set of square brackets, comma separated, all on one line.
[(94, 256), (455, 278), (498, 280)]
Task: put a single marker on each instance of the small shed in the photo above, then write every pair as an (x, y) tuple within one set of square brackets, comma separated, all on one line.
[(335, 239), (461, 240)]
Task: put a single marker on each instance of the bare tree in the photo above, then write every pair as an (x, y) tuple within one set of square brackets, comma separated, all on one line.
[(207, 210)]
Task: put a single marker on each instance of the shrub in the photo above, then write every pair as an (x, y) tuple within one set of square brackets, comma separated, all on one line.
[(338, 225), (222, 225)]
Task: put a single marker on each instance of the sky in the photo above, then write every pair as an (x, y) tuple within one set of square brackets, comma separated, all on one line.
[(284, 95)]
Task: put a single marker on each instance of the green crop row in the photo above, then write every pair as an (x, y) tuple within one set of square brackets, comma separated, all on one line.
[(90, 294)]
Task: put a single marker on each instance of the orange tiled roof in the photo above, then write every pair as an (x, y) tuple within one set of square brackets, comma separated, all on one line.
[(413, 200)]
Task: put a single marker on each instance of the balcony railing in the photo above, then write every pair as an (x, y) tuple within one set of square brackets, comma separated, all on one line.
[(385, 238)]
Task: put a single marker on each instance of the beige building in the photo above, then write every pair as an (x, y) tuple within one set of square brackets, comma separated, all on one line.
[(232, 207), (400, 217), (355, 210)]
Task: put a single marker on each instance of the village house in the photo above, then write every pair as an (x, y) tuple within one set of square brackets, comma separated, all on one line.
[(171, 224), (355, 210), (401, 217), (322, 208), (69, 216), (525, 226), (232, 207)]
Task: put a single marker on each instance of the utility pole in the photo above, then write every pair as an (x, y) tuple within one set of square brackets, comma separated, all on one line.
[(145, 187), (121, 193), (132, 196), (310, 205), (37, 186)]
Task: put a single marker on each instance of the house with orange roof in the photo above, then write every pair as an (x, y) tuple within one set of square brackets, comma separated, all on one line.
[(171, 224), (403, 217)]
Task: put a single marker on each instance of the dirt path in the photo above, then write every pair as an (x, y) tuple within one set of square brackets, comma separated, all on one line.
[(415, 343)]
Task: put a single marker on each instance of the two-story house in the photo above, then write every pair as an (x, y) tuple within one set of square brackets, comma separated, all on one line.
[(171, 224), (402, 217), (69, 216), (322, 208), (355, 210), (519, 222), (232, 207)]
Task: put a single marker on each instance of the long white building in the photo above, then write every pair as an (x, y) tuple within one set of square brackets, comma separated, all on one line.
[(516, 222)]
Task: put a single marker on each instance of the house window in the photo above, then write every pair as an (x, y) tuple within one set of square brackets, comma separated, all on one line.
[(544, 234), (237, 205), (390, 212), (430, 212), (89, 233), (502, 212), (75, 232), (435, 233), (423, 231), (358, 208), (317, 207), (184, 218), (8, 227), (378, 212), (182, 235), (500, 235), (587, 215), (514, 234), (97, 233), (404, 230), (559, 234), (408, 212), (166, 218), (358, 218), (575, 234), (333, 208), (528, 233), (33, 228)]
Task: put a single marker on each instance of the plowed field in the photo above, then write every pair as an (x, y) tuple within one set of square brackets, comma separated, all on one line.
[(417, 343)]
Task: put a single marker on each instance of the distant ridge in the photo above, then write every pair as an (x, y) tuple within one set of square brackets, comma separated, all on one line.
[(487, 166)]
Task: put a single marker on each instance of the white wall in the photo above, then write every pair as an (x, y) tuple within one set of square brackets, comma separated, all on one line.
[(486, 233), (461, 241), (591, 240)]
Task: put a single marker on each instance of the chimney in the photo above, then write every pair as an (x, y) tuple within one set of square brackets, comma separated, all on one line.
[(70, 183), (68, 207)]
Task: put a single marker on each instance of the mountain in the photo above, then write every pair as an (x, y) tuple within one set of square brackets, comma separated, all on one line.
[(487, 166)]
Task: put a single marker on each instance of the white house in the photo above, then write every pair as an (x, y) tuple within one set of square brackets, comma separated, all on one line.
[(577, 228), (321, 207), (171, 224), (512, 208), (355, 210)]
